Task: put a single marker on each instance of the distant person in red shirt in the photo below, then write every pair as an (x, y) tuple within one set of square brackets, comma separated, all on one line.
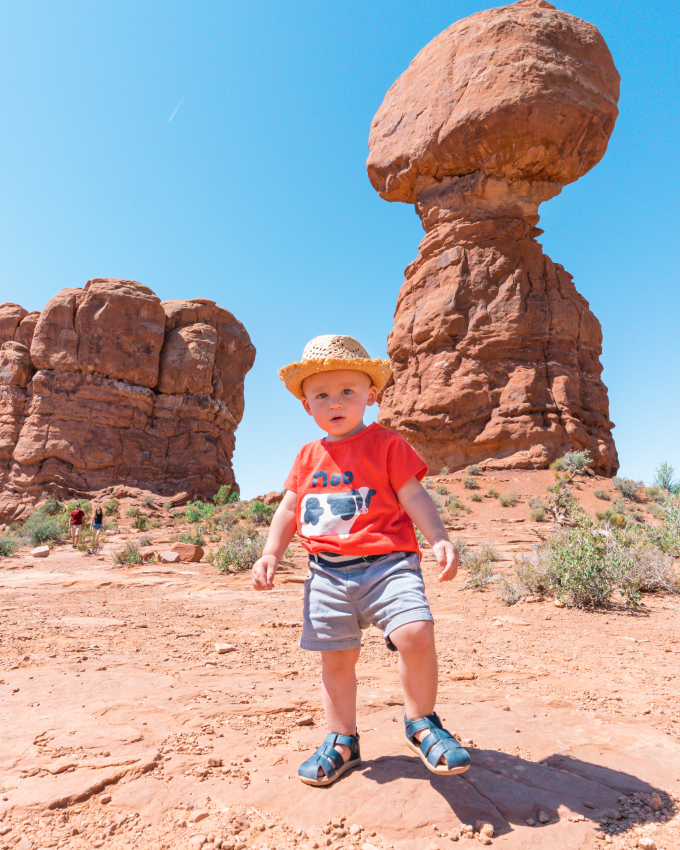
[(353, 498), (76, 523)]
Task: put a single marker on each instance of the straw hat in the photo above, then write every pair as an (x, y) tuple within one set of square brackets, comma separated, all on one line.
[(328, 352)]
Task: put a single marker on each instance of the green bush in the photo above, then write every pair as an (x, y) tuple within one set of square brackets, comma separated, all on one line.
[(493, 493), (167, 506), (149, 502), (112, 507), (538, 514), (140, 522), (243, 547), (656, 511), (198, 511), (476, 497), (144, 540), (627, 488), (129, 556), (8, 545), (260, 513), (479, 564), (508, 500), (52, 506), (455, 506), (614, 517), (663, 479), (559, 465), (474, 469), (132, 511), (193, 536), (577, 461), (42, 528), (225, 495), (605, 495), (667, 535), (470, 483), (441, 489)]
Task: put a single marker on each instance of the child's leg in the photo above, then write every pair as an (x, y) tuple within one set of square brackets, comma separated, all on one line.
[(417, 668), (339, 689)]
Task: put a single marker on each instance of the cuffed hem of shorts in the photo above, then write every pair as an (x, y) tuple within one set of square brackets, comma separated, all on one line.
[(413, 616), (320, 645)]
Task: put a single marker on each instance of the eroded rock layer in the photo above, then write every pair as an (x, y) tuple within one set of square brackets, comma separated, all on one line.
[(495, 353), (110, 386)]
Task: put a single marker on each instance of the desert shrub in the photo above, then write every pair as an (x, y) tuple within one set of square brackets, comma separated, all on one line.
[(474, 469), (476, 497), (444, 470), (612, 516), (193, 536), (8, 545), (493, 493), (666, 536), (441, 489), (627, 487), (470, 483), (140, 522), (428, 484), (167, 506), (508, 500), (559, 465), (656, 511), (605, 495), (535, 572), (198, 511), (479, 564), (462, 547), (129, 555), (42, 528), (455, 506), (538, 509), (652, 571), (132, 511), (260, 513), (112, 507), (240, 551), (144, 540), (225, 495), (655, 493), (663, 478), (149, 502), (508, 589), (155, 523), (577, 461), (52, 506)]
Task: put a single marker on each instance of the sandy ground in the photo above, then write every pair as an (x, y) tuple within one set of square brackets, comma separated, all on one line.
[(122, 726)]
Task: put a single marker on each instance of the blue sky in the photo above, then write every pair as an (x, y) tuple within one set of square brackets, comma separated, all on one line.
[(256, 195)]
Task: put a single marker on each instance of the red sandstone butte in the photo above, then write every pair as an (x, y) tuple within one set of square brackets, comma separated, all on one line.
[(496, 355), (109, 385)]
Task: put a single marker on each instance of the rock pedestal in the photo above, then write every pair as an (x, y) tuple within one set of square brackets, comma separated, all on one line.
[(495, 353), (110, 386)]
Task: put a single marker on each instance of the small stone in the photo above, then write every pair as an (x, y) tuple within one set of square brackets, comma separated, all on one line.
[(655, 802), (197, 842), (484, 828), (559, 603), (600, 835), (105, 799), (646, 843), (196, 817), (222, 648), (355, 829), (530, 822), (305, 720), (588, 805), (543, 818), (169, 557), (40, 552), (214, 762)]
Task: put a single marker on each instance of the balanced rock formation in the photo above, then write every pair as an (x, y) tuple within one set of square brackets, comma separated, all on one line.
[(110, 386), (495, 353)]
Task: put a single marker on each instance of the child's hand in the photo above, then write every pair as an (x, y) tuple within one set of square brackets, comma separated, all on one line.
[(264, 571), (447, 558)]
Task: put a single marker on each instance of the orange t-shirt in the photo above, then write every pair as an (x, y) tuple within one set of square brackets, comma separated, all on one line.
[(347, 493)]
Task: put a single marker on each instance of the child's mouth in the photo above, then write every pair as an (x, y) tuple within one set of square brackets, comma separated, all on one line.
[(337, 418)]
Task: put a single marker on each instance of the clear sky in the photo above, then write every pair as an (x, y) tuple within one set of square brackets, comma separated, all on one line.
[(255, 194)]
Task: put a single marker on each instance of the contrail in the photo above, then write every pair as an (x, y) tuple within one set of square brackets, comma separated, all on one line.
[(176, 108)]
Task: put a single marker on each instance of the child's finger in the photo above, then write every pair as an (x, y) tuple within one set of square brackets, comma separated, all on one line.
[(271, 572)]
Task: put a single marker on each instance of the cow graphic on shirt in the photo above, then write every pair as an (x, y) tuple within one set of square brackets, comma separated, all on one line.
[(333, 513)]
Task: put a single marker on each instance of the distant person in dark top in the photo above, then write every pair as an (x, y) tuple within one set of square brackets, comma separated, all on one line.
[(97, 525), (76, 523)]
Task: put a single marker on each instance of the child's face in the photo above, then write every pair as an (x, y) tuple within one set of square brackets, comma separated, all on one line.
[(337, 401)]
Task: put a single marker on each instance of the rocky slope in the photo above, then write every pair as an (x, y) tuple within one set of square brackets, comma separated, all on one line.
[(496, 354), (108, 386)]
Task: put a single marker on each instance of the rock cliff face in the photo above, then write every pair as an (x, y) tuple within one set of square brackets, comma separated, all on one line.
[(495, 353), (110, 386)]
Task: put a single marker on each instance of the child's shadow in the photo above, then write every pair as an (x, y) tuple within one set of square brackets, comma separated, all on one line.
[(503, 790)]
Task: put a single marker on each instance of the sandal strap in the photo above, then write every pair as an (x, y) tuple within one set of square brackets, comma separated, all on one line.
[(328, 758), (438, 744), (431, 721)]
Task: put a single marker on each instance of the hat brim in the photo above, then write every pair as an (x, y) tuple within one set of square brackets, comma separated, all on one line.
[(293, 375)]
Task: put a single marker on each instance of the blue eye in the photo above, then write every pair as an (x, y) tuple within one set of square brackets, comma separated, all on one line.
[(347, 392)]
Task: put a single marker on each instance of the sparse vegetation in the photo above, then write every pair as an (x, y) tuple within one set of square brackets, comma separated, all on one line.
[(193, 536), (663, 478), (476, 497), (112, 507), (627, 488), (129, 555), (479, 564), (132, 511), (470, 483), (474, 469), (599, 493), (508, 500), (441, 489), (666, 536), (455, 506), (493, 493), (140, 522), (538, 509), (198, 511), (614, 517), (144, 540), (42, 528), (260, 513), (559, 465), (52, 506), (444, 470), (149, 502), (8, 545), (225, 495), (243, 547)]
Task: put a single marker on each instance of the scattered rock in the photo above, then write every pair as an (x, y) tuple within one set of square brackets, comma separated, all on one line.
[(305, 720), (40, 552), (355, 829), (198, 816), (188, 552), (655, 802), (484, 828), (169, 557), (559, 603), (646, 843), (543, 818), (222, 648)]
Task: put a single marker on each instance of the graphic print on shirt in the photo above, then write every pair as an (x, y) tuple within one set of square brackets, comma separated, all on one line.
[(333, 513)]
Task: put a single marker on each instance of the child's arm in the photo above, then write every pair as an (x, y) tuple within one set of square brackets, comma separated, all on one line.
[(280, 534), (417, 503)]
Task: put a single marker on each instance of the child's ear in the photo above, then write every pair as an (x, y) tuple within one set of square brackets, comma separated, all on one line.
[(305, 404), (372, 395)]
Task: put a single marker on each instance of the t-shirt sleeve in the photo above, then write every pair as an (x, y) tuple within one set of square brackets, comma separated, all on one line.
[(403, 463), (291, 482)]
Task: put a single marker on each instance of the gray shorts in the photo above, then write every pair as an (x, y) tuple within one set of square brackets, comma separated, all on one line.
[(341, 601)]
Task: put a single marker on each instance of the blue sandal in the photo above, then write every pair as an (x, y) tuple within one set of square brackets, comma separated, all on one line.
[(438, 745), (330, 761)]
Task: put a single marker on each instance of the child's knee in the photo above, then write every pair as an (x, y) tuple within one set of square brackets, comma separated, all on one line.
[(414, 637), (339, 660)]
